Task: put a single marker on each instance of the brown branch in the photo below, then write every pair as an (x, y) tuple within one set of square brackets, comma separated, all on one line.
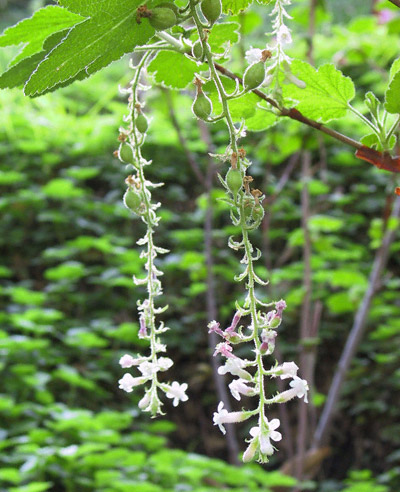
[(395, 2), (293, 113)]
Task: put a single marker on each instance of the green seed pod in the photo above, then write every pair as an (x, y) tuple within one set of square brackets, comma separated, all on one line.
[(141, 123), (248, 208), (202, 106), (275, 322), (126, 153), (234, 181), (169, 5), (254, 76), (211, 9), (197, 50), (162, 18), (258, 213), (132, 200)]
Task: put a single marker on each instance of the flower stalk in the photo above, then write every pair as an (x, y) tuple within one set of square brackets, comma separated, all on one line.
[(143, 206)]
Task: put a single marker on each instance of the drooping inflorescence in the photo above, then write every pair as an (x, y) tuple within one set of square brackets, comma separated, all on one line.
[(138, 199)]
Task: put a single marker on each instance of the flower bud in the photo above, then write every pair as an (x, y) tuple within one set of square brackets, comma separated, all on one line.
[(254, 76), (211, 9), (132, 200), (126, 154), (202, 106), (234, 181), (141, 123), (162, 18)]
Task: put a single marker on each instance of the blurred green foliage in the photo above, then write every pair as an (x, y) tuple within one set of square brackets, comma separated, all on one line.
[(68, 302)]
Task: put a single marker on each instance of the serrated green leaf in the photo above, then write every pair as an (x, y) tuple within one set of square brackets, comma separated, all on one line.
[(35, 30), (173, 69), (222, 34), (327, 92), (394, 68), (261, 120), (18, 74), (235, 6), (90, 46), (86, 8), (392, 99)]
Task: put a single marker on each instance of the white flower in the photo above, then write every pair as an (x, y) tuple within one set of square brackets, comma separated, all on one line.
[(253, 55), (300, 386), (145, 401), (126, 361), (251, 449), (283, 35), (238, 386), (148, 369), (235, 366), (285, 370), (164, 363), (222, 416), (177, 392), (265, 436), (127, 382)]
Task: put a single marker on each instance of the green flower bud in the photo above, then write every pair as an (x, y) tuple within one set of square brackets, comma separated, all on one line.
[(211, 9), (202, 106), (126, 153), (132, 200), (234, 181), (197, 50), (254, 76), (162, 18), (141, 123)]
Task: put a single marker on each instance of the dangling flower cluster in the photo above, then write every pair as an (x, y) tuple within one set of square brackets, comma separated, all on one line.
[(262, 331), (138, 199), (247, 212)]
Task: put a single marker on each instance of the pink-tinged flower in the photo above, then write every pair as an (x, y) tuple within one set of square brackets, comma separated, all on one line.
[(268, 341), (222, 416), (238, 387), (143, 329), (285, 370), (126, 361), (234, 323), (280, 306), (385, 15), (127, 382), (224, 349), (214, 326), (177, 392), (235, 366)]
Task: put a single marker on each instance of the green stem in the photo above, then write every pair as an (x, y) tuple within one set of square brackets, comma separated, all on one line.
[(364, 119)]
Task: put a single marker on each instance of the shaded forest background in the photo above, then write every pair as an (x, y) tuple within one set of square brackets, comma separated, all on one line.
[(68, 254)]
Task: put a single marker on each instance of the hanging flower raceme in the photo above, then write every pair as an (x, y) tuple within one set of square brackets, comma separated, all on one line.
[(138, 199)]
